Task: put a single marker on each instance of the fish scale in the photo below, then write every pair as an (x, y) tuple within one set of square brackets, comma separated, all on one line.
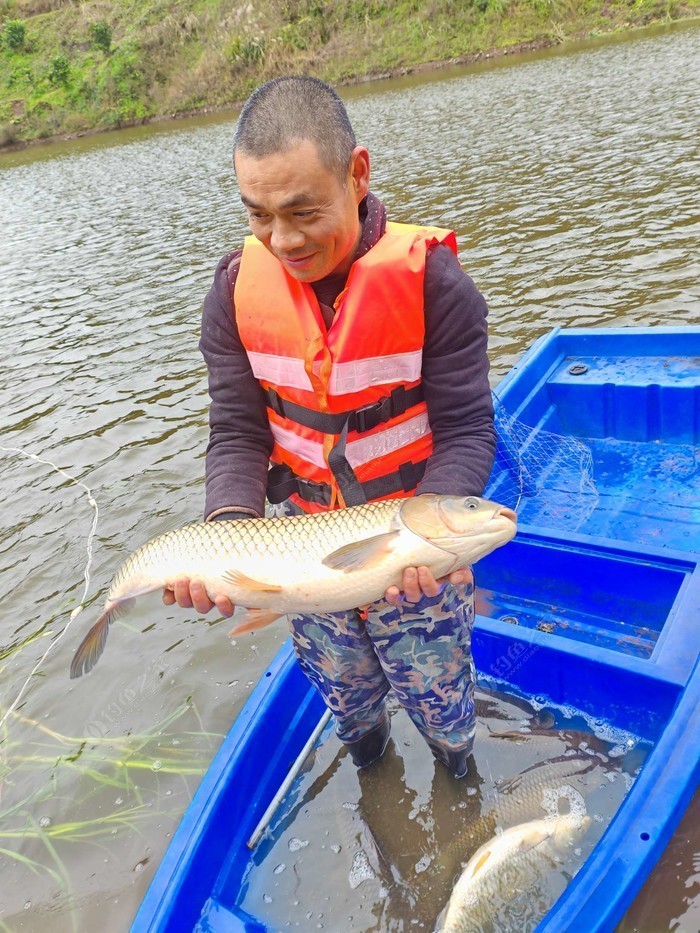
[(323, 562), (511, 866)]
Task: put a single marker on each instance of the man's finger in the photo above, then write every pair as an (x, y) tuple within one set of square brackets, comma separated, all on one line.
[(411, 586), (427, 582), (225, 606), (461, 576), (181, 589), (200, 597)]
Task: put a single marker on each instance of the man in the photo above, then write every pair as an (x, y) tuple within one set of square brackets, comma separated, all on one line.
[(352, 353)]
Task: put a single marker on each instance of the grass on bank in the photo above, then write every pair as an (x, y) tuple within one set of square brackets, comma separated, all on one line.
[(67, 67)]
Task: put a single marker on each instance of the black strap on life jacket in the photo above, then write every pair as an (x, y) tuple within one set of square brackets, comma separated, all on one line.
[(357, 419), (345, 476), (283, 483)]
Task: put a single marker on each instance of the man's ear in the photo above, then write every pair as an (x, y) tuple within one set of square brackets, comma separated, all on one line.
[(359, 172)]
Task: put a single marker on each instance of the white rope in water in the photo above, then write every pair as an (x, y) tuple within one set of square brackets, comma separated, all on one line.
[(86, 573)]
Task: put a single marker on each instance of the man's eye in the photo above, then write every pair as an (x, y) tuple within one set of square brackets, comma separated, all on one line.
[(304, 213)]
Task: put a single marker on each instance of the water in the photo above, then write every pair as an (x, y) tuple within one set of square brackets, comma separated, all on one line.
[(571, 180), (382, 847)]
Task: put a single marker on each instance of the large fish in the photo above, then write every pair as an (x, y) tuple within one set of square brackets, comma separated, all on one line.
[(510, 864), (518, 799), (325, 562)]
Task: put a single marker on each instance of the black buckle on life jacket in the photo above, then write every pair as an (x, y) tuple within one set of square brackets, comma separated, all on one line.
[(313, 492), (360, 420), (364, 419), (283, 483)]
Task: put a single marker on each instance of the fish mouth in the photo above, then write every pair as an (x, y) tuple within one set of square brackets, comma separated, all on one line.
[(507, 513)]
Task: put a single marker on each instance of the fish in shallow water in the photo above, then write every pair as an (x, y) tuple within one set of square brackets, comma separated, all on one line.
[(510, 864), (325, 562), (517, 799)]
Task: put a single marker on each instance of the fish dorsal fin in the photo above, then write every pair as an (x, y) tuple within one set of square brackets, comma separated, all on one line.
[(359, 554), (255, 619), (238, 578)]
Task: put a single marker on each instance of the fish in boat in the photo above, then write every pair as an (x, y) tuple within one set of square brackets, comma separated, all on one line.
[(522, 797), (324, 562), (575, 739), (508, 865)]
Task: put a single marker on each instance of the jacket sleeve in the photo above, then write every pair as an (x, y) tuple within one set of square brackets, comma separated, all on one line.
[(240, 440), (455, 380)]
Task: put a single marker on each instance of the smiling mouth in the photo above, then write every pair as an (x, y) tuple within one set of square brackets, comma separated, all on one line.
[(295, 260)]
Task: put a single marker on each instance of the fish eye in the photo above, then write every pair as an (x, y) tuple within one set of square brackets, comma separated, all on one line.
[(471, 503)]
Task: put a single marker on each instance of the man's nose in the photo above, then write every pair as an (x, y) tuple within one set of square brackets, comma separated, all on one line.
[(285, 237)]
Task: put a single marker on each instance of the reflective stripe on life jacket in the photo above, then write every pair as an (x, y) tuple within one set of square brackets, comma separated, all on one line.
[(368, 360), (345, 378)]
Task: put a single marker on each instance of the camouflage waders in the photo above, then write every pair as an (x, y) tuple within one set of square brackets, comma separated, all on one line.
[(420, 650)]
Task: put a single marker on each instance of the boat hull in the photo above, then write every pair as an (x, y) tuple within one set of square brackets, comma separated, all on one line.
[(606, 622)]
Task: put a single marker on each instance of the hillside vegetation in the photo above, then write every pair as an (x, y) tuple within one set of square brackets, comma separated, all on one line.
[(69, 67)]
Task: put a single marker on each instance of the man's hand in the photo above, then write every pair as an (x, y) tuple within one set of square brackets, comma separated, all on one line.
[(419, 581), (191, 594)]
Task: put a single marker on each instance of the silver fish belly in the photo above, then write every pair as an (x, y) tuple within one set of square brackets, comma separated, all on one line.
[(507, 866)]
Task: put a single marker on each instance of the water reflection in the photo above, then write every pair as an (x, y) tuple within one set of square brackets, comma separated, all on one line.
[(572, 185)]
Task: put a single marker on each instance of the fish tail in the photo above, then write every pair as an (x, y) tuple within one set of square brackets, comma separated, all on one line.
[(92, 646)]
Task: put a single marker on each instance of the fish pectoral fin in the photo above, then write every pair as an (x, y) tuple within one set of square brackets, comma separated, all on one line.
[(360, 554), (238, 578), (255, 619), (533, 840), (480, 864)]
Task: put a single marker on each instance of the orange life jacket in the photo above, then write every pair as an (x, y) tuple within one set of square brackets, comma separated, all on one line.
[(345, 404)]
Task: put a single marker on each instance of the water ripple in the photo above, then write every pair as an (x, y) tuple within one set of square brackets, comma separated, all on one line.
[(572, 183)]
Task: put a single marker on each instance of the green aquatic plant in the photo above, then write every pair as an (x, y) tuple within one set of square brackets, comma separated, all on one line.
[(39, 765)]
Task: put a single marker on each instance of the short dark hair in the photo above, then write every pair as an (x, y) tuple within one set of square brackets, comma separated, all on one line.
[(291, 109)]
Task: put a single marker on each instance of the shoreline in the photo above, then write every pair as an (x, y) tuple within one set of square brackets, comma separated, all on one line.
[(398, 71)]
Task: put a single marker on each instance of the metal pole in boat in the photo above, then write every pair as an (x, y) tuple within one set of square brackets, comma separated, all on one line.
[(286, 784)]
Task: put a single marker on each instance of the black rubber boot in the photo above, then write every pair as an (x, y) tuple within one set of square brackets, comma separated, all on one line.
[(370, 747), (457, 760)]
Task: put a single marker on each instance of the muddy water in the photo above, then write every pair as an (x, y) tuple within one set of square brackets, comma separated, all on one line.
[(571, 180), (380, 849)]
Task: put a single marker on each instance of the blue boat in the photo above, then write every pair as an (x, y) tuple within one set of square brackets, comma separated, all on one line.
[(600, 439)]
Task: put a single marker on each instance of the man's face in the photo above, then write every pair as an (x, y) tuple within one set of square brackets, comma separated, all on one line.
[(301, 211)]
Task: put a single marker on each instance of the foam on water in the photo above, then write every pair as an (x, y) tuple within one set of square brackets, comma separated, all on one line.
[(621, 740), (295, 844), (360, 870), (551, 803)]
